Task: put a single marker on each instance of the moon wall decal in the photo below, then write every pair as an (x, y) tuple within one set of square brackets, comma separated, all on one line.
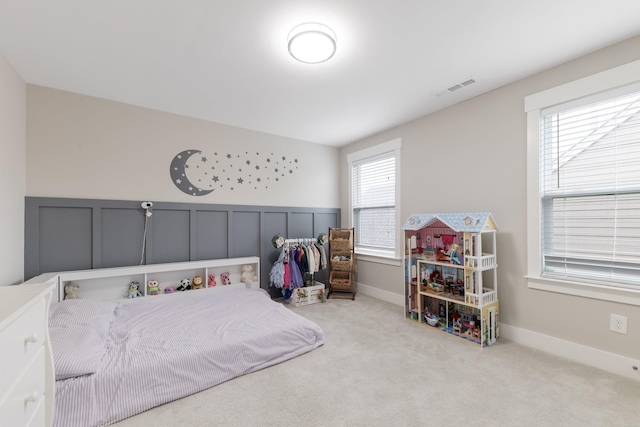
[(177, 169)]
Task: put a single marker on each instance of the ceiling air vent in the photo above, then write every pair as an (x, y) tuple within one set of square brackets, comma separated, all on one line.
[(454, 88)]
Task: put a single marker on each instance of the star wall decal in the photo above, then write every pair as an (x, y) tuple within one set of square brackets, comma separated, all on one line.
[(187, 170)]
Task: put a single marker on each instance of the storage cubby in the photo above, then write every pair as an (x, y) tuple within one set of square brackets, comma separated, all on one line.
[(451, 274), (113, 283)]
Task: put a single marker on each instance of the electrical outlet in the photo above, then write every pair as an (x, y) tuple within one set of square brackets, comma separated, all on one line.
[(618, 324)]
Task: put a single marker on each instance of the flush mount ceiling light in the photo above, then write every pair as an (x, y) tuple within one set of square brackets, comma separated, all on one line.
[(312, 43)]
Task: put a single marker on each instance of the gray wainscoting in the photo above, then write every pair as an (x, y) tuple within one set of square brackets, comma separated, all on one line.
[(77, 234)]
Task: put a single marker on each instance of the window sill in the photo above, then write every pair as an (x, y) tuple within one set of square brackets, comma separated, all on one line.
[(377, 257), (586, 290)]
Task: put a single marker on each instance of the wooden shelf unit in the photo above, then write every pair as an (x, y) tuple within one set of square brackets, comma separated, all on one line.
[(341, 263)]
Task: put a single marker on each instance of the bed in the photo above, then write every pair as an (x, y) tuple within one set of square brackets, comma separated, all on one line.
[(115, 359)]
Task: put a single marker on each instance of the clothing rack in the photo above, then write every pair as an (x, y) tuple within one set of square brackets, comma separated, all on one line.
[(304, 241), (300, 241)]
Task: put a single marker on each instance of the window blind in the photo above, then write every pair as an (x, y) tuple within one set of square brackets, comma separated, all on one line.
[(373, 201), (590, 190)]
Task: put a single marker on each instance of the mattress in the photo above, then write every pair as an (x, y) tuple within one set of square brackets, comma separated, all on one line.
[(115, 359)]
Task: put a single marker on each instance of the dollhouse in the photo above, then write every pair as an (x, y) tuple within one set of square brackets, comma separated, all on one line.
[(450, 274)]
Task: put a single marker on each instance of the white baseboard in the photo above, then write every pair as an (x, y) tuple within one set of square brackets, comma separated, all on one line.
[(590, 356), (381, 294)]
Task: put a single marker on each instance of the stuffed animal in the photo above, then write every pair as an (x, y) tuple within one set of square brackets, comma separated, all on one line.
[(212, 281), (71, 291), (133, 291), (152, 287), (248, 276), (185, 285), (169, 289), (226, 280), (196, 282)]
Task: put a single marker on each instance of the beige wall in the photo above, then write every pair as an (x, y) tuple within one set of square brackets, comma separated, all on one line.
[(85, 147), (12, 173), (472, 157)]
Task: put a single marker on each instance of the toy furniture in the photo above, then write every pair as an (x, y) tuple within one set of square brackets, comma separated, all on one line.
[(451, 269)]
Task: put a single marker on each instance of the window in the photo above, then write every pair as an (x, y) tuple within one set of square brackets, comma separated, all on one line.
[(584, 188), (374, 193)]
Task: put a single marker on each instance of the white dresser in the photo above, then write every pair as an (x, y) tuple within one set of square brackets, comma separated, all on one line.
[(26, 374)]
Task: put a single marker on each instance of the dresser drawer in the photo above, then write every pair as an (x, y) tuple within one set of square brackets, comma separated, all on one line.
[(20, 403), (20, 341), (39, 416)]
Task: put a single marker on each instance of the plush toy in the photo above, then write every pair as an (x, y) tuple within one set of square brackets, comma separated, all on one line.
[(212, 281), (248, 276), (71, 291), (196, 282), (152, 287), (134, 290), (185, 285), (226, 280), (169, 289)]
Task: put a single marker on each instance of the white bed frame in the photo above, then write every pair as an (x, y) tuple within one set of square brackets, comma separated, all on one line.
[(112, 283)]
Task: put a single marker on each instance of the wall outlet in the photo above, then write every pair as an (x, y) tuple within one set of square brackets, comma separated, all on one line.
[(618, 324)]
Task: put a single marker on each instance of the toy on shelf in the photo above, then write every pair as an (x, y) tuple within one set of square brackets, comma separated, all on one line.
[(431, 318), (169, 289), (153, 287), (133, 291), (225, 279), (212, 281), (248, 276), (196, 282), (453, 254), (456, 323), (185, 285), (71, 291)]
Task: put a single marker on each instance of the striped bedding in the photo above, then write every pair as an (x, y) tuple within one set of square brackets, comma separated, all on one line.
[(157, 349)]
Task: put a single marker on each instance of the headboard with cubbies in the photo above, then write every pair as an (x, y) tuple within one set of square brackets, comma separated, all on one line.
[(113, 283)]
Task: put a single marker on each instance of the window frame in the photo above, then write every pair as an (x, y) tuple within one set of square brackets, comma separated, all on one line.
[(373, 152), (534, 104)]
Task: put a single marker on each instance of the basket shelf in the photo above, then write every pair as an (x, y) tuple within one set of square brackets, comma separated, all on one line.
[(341, 263)]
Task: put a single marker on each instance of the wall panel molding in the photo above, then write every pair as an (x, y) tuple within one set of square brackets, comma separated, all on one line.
[(71, 234)]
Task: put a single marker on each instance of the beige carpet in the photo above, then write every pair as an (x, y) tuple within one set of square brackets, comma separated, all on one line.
[(377, 369)]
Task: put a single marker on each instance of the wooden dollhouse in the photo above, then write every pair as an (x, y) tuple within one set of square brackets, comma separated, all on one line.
[(451, 274)]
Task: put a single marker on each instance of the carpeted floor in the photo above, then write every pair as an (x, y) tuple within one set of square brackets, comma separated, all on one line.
[(378, 369)]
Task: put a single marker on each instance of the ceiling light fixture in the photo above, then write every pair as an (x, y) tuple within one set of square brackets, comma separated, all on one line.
[(312, 43)]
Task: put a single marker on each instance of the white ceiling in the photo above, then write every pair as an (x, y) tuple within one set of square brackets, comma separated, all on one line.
[(226, 61)]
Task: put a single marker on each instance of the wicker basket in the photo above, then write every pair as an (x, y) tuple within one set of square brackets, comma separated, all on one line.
[(340, 280), (341, 239), (341, 264)]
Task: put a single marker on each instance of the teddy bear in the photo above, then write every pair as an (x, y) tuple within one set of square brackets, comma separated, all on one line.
[(248, 276), (196, 282), (71, 291), (185, 285), (212, 281), (169, 289), (152, 287), (226, 280), (133, 291)]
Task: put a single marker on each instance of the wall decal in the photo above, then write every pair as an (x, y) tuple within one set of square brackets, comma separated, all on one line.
[(198, 174)]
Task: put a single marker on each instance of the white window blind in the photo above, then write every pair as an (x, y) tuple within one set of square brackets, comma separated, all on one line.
[(374, 201), (590, 191)]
